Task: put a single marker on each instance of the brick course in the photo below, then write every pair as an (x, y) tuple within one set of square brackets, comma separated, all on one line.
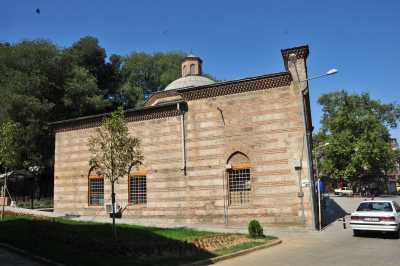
[(265, 123)]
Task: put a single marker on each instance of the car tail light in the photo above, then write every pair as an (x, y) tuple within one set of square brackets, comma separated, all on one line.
[(355, 217), (388, 219)]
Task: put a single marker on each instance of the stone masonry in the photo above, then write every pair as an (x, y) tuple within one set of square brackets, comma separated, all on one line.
[(264, 118)]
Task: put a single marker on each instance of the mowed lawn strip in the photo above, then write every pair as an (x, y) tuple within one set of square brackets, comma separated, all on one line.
[(88, 243)]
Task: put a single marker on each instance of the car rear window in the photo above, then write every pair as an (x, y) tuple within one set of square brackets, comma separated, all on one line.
[(375, 207)]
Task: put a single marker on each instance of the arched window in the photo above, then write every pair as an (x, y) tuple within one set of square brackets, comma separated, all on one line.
[(192, 69), (184, 70), (137, 187), (239, 179), (96, 191)]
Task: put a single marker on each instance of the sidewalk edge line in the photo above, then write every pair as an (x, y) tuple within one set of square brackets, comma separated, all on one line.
[(235, 254)]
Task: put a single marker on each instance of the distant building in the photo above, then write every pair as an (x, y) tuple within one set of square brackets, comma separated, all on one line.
[(393, 176), (218, 153)]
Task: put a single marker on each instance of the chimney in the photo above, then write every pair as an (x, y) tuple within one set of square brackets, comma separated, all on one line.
[(295, 60), (191, 66)]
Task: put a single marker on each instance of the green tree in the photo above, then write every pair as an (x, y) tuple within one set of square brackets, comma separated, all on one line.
[(8, 152), (357, 130), (82, 96), (41, 82), (29, 92), (146, 73), (8, 146), (87, 53), (113, 152)]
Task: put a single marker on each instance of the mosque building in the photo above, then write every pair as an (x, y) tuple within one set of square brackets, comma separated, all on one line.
[(215, 153)]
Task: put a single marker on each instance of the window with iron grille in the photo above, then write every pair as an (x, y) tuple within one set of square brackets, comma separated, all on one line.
[(239, 186), (137, 190), (96, 191)]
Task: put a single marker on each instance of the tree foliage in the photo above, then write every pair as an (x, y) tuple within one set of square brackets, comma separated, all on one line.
[(8, 147), (356, 129), (145, 74), (113, 151), (41, 82)]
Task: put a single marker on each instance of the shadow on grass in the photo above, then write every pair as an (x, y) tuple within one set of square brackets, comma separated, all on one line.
[(74, 243)]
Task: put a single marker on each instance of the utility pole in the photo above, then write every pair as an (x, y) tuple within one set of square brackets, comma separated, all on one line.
[(4, 193), (319, 184)]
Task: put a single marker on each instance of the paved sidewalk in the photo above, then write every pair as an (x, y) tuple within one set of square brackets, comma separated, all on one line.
[(334, 246), (8, 258)]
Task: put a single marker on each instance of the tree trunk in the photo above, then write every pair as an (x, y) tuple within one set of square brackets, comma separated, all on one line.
[(4, 194), (113, 211), (32, 193)]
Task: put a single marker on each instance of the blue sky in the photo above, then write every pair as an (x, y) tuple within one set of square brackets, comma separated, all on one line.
[(235, 38)]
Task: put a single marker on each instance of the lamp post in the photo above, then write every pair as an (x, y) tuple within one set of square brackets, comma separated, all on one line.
[(319, 185), (330, 72), (34, 170)]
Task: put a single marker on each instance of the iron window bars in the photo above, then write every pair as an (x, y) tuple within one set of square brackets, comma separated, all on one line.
[(96, 191), (137, 190), (239, 186)]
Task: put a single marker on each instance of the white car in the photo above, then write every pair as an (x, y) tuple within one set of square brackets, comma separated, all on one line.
[(376, 215), (345, 191)]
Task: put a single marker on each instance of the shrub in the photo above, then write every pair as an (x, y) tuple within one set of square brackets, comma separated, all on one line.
[(255, 229)]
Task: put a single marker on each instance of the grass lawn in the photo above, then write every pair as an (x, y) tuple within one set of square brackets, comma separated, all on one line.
[(85, 243)]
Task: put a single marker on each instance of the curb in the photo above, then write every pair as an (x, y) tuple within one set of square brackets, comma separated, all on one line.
[(29, 255), (235, 254)]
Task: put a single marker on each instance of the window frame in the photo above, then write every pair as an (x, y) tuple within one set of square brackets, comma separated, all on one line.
[(184, 71), (192, 69), (131, 193), (245, 198), (91, 193)]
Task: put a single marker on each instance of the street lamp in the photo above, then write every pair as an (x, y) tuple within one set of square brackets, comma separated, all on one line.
[(332, 71), (34, 171), (319, 185)]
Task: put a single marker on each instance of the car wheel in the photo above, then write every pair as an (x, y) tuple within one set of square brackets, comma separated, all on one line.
[(356, 232)]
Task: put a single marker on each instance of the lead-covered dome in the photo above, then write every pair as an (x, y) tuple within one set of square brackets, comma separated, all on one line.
[(189, 81), (191, 74)]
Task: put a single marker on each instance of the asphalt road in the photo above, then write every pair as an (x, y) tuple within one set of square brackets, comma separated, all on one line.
[(333, 246)]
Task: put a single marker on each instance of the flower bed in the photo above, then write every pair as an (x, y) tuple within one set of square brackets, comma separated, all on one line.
[(211, 243)]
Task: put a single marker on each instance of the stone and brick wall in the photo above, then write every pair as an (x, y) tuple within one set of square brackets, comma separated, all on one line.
[(265, 123)]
